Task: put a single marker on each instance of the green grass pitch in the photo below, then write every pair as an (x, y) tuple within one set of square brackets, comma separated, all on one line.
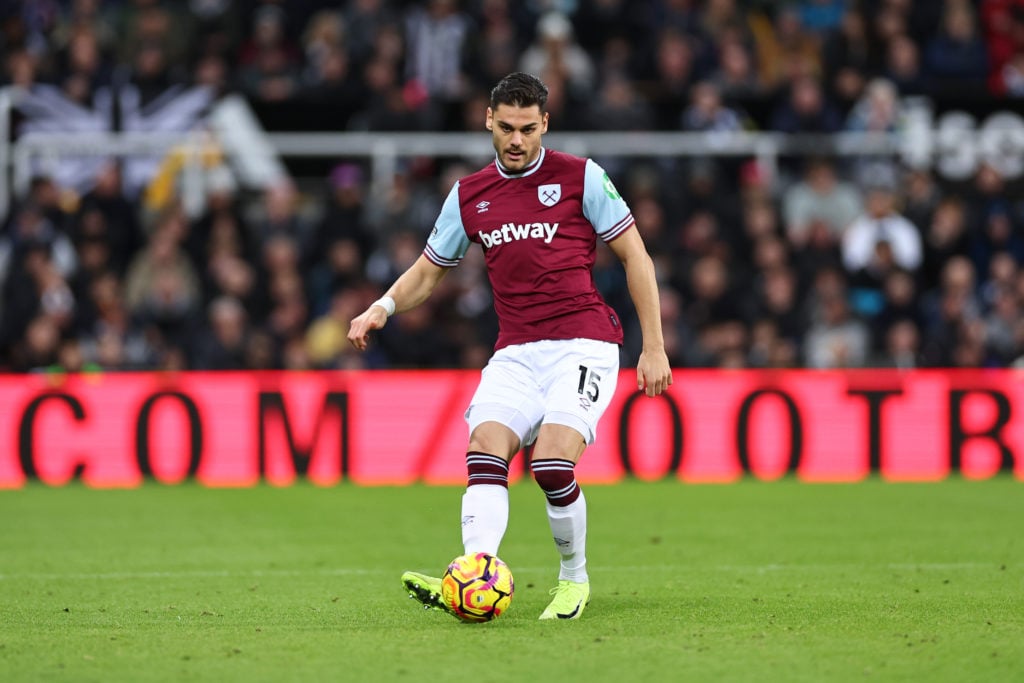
[(748, 582)]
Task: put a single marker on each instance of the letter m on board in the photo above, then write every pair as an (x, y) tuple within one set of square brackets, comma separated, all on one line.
[(320, 452)]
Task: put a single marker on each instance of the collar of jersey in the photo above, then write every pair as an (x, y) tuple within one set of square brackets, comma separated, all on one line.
[(525, 172)]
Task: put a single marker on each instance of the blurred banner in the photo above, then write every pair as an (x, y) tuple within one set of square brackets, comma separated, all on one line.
[(400, 427)]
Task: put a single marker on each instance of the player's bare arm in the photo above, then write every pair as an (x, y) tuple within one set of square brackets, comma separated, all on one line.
[(410, 290), (653, 373)]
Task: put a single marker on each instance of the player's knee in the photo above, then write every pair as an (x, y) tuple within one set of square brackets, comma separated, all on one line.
[(557, 479), (491, 437)]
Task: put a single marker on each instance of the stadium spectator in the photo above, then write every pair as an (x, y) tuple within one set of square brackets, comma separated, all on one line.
[(1003, 22), (736, 78), (1003, 275), (221, 219), (437, 36), (786, 50), (903, 66), (415, 341), (1010, 79), (84, 67), (288, 313), (997, 222), (326, 342), (404, 205), (713, 310), (677, 333), (20, 69), (720, 17), (878, 109), (806, 109), (761, 222), (778, 302), (707, 114), (222, 345), (494, 47), (820, 199), (881, 224), (556, 50), (945, 236), (671, 73), (1001, 325), (890, 21), (111, 337), (956, 57), (269, 61), (216, 27), (151, 25), (38, 349), (280, 216), (328, 80), (324, 35), (902, 347), (29, 244), (161, 285), (342, 241), (88, 17), (599, 24), (951, 314), (618, 107), (364, 20), (920, 194), (680, 16), (900, 302), (849, 56), (836, 338), (821, 16)]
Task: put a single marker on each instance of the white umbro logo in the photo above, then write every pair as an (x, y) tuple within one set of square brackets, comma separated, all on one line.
[(482, 206)]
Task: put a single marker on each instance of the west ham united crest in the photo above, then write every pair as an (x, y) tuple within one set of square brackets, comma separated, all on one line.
[(549, 194)]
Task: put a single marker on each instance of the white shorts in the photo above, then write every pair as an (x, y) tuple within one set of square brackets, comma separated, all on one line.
[(565, 381)]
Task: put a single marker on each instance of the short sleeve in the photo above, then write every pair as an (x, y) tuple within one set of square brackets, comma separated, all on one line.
[(448, 240), (603, 206)]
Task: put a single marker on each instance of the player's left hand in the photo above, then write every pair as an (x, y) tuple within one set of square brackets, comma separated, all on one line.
[(653, 373)]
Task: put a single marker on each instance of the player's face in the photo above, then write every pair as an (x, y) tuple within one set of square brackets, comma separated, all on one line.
[(516, 132)]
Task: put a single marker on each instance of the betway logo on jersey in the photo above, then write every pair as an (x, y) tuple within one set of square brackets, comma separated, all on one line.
[(513, 232)]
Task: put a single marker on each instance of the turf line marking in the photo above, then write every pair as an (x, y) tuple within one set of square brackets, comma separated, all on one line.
[(941, 566), (901, 566), (357, 571), (189, 574)]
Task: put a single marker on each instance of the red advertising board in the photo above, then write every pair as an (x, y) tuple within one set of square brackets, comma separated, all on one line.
[(399, 427)]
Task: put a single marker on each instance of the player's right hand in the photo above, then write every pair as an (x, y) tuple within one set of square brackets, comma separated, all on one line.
[(373, 318)]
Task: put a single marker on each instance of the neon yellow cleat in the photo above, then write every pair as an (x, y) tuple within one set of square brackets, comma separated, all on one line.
[(426, 589), (570, 600)]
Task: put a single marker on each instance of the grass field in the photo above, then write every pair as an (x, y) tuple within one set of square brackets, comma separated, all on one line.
[(754, 581)]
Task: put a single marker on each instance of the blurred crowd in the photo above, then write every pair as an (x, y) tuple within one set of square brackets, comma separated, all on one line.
[(830, 262)]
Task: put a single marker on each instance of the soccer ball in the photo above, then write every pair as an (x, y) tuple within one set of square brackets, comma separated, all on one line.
[(477, 587)]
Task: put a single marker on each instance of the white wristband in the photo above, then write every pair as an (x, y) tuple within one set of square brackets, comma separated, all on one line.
[(387, 303)]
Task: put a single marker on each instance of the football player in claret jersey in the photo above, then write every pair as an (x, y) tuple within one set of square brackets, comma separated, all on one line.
[(537, 214)]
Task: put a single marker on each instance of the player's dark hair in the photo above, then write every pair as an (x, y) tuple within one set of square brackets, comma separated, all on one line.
[(520, 90)]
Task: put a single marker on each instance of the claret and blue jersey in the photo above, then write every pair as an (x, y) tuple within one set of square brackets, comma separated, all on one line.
[(539, 231)]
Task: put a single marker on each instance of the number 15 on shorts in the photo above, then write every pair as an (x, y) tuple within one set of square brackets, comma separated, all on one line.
[(588, 386)]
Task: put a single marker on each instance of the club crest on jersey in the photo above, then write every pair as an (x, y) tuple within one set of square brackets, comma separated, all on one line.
[(549, 194)]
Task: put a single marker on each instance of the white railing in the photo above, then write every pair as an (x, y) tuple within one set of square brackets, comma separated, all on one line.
[(37, 152), (385, 149), (954, 144)]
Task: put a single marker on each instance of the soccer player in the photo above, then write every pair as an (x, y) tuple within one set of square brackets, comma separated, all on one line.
[(537, 214)]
